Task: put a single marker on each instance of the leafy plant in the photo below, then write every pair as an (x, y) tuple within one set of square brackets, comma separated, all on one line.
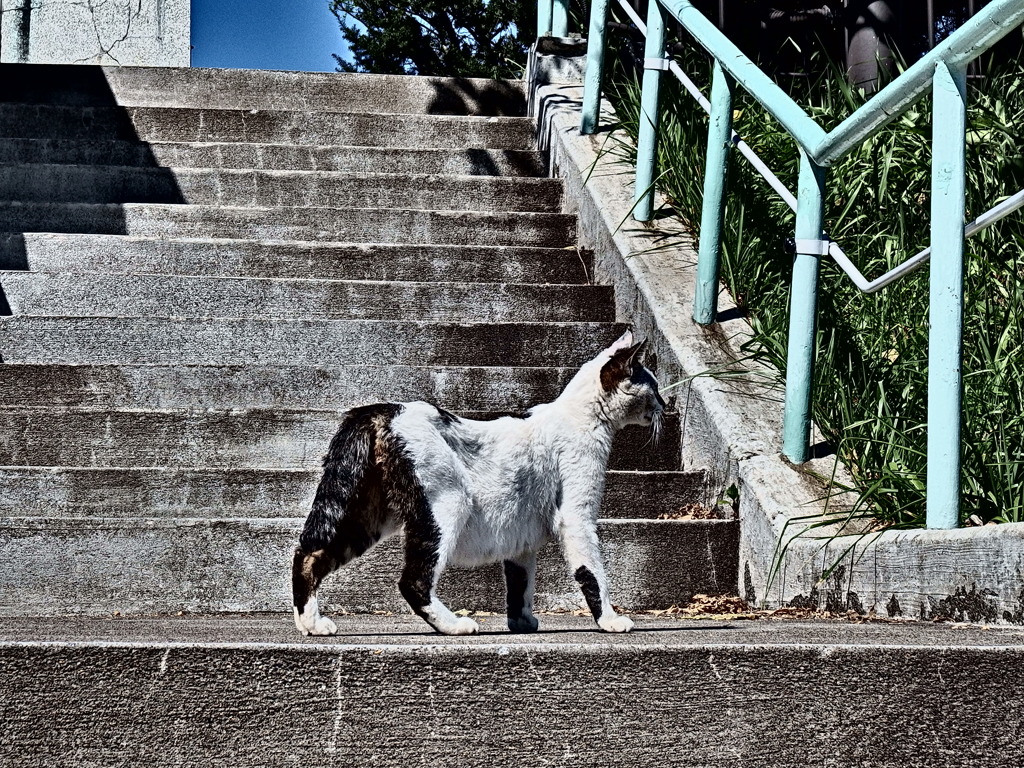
[(870, 388)]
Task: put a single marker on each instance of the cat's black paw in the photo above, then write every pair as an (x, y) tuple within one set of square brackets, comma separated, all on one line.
[(523, 625)]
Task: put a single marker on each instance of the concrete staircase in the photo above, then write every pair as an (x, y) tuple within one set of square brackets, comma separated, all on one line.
[(203, 268), (200, 270)]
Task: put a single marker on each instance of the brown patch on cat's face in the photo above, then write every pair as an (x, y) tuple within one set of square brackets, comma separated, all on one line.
[(620, 367)]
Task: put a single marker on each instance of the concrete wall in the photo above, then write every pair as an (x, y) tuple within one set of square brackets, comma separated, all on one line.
[(128, 32)]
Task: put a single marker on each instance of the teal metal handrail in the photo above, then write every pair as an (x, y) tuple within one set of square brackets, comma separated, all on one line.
[(552, 18), (943, 70)]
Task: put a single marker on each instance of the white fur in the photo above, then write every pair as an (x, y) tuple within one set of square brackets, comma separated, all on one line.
[(310, 622), (500, 490)]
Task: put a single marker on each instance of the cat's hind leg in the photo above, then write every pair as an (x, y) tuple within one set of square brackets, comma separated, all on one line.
[(520, 584), (308, 570), (429, 539), (314, 559)]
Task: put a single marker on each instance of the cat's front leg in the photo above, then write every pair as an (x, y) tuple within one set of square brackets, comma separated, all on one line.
[(580, 546), (520, 584)]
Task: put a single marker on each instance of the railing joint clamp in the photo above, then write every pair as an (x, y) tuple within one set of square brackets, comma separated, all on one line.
[(812, 247), (660, 64)]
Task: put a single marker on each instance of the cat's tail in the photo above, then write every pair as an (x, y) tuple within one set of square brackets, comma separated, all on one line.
[(347, 513)]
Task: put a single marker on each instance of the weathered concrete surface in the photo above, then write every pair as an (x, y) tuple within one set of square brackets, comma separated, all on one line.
[(256, 438), (251, 692), (111, 254), (353, 225), (98, 566), (289, 387), (202, 124), (70, 294), (293, 157), (733, 423), (278, 188), (148, 33), (259, 89), (240, 492), (200, 341)]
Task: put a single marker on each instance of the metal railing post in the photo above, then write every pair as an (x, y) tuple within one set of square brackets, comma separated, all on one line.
[(647, 141), (945, 289), (560, 18), (544, 14), (803, 308), (595, 66), (705, 300)]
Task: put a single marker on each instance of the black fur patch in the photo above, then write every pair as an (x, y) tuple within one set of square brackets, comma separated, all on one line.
[(347, 512), (620, 367), (447, 417), (641, 376), (516, 583), (591, 590)]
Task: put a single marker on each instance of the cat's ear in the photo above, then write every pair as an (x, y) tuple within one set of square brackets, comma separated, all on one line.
[(624, 341), (621, 365)]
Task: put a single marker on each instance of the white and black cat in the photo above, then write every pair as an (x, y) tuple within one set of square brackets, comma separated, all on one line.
[(468, 493)]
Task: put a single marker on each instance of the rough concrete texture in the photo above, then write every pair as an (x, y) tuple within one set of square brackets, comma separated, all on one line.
[(293, 157), (110, 254), (44, 121), (353, 225), (279, 188), (240, 492), (289, 387), (147, 33), (199, 341), (733, 424), (251, 692), (69, 294), (260, 89), (71, 566), (174, 370), (254, 438)]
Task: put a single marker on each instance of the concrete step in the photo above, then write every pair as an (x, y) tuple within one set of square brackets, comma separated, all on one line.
[(116, 254), (56, 295), (259, 439), (248, 89), (269, 189), (454, 162), (203, 492), (151, 124), (61, 567), (354, 225), (282, 386), (248, 691), (177, 341)]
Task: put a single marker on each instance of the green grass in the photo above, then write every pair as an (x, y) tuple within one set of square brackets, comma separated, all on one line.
[(870, 389)]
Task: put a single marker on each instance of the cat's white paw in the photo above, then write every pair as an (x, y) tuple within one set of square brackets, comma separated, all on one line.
[(315, 624), (462, 626), (323, 626), (523, 625), (615, 623)]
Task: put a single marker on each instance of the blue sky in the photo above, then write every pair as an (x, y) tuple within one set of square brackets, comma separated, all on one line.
[(265, 34)]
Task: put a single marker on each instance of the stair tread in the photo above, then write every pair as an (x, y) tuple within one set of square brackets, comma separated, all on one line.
[(251, 155), (61, 294), (244, 492), (124, 254), (245, 89), (572, 634)]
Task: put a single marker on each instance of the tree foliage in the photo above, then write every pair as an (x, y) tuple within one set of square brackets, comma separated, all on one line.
[(466, 38)]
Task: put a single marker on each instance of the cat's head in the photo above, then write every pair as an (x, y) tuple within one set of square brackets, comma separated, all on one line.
[(629, 391)]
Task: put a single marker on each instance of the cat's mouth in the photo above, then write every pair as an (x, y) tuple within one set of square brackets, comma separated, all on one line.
[(653, 419)]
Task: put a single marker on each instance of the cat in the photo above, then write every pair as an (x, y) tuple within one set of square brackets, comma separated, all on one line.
[(469, 493)]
